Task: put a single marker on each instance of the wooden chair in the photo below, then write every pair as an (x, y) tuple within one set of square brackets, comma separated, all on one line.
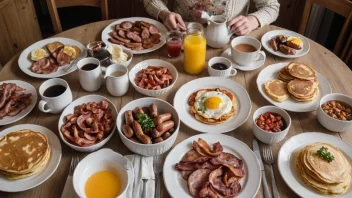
[(53, 5), (343, 8)]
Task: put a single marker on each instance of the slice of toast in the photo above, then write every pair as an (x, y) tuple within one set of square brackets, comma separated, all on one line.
[(52, 47)]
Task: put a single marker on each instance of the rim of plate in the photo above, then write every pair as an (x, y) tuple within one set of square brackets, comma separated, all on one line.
[(285, 166), (262, 78), (265, 38), (243, 104), (252, 178), (162, 30), (23, 59), (29, 89), (34, 180)]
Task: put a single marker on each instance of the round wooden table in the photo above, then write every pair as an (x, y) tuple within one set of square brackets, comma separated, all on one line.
[(321, 59)]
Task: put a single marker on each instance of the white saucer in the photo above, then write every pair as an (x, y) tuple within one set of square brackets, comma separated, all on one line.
[(251, 67)]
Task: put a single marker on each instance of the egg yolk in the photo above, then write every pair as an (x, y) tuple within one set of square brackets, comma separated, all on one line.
[(297, 41), (213, 102)]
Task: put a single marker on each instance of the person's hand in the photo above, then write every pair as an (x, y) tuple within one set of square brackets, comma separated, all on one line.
[(172, 21), (242, 25)]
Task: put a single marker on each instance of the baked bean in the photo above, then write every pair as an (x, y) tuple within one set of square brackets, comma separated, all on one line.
[(337, 109), (271, 122)]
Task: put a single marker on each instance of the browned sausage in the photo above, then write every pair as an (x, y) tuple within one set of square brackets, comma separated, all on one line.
[(134, 139), (165, 126), (127, 130), (153, 110), (128, 117), (146, 111), (172, 130), (158, 140), (273, 44), (162, 118), (139, 133), (138, 110), (287, 50), (148, 132), (166, 135)]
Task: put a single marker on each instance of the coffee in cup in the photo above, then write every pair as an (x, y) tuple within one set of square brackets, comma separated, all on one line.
[(245, 50), (90, 74), (221, 66)]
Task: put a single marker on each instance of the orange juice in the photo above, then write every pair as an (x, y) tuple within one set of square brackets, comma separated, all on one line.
[(194, 49), (103, 184)]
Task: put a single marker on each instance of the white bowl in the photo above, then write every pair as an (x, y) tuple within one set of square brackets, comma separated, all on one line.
[(330, 123), (129, 59), (153, 62), (271, 137), (104, 159), (71, 108), (149, 149)]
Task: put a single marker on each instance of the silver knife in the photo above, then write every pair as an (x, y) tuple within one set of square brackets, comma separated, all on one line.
[(264, 182)]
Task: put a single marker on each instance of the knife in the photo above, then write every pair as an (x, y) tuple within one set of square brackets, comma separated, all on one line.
[(264, 182)]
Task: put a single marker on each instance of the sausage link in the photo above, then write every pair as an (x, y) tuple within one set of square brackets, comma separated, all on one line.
[(158, 140), (134, 139), (127, 130), (166, 135), (162, 118), (138, 110), (128, 117), (146, 111), (148, 132), (153, 110), (165, 126), (139, 133), (287, 50), (172, 130), (273, 44)]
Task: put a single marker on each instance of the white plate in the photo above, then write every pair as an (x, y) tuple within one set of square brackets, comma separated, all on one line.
[(177, 186), (18, 185), (162, 30), (271, 72), (25, 62), (29, 89), (287, 164), (269, 35), (71, 109), (253, 66), (243, 104)]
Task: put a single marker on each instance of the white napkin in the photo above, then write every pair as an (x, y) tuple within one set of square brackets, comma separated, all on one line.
[(143, 169)]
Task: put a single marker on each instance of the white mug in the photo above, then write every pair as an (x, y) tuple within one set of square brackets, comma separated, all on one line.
[(246, 58), (230, 71), (90, 80), (54, 104), (117, 85)]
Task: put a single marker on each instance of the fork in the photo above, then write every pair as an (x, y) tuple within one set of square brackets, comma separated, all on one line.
[(68, 191), (269, 159), (157, 166)]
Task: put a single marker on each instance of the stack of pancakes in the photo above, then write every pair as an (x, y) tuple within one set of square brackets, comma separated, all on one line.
[(23, 153), (297, 79), (329, 178)]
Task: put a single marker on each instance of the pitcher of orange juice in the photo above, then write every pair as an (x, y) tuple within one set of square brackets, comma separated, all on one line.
[(194, 46)]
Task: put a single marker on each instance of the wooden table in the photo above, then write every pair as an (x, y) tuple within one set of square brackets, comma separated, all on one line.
[(321, 59)]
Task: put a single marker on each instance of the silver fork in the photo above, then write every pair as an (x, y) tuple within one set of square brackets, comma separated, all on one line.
[(158, 168), (269, 159), (69, 191)]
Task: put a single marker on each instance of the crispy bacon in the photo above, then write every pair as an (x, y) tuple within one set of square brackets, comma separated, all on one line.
[(153, 78)]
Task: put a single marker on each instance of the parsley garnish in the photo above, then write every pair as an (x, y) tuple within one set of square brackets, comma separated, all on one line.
[(202, 109), (323, 153), (145, 121)]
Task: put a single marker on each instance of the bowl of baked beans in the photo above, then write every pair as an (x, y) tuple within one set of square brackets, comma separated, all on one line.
[(271, 124), (335, 112)]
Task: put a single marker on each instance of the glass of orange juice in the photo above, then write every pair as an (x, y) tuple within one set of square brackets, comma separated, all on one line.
[(194, 46)]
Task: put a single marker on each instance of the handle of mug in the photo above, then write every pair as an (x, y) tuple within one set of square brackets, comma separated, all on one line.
[(41, 106), (260, 56), (233, 72)]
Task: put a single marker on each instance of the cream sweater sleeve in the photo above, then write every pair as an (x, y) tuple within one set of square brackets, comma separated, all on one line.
[(154, 7), (268, 11)]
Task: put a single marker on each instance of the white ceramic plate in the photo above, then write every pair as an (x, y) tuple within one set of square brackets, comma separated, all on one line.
[(287, 163), (271, 72), (177, 186), (71, 108), (243, 104), (7, 185), (269, 35), (29, 89), (251, 67), (25, 62), (162, 29)]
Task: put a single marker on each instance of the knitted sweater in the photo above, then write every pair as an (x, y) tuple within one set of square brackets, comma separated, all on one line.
[(190, 10)]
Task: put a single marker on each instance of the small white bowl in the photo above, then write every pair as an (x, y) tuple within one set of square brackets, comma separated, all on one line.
[(103, 160), (149, 149), (129, 59), (271, 137), (153, 62), (71, 108), (330, 123)]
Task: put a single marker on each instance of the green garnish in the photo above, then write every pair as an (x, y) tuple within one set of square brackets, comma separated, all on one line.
[(202, 109), (325, 154), (145, 121)]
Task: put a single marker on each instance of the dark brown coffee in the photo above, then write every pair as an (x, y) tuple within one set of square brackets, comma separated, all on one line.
[(54, 91), (219, 66), (245, 48), (89, 66)]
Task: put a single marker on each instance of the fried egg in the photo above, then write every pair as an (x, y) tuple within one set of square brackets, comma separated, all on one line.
[(295, 40), (70, 51), (212, 104), (39, 54)]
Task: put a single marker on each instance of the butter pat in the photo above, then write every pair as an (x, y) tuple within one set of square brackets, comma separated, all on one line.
[(117, 54)]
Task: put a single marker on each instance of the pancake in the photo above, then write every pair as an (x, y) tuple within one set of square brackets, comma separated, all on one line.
[(276, 90), (284, 75), (307, 98), (301, 88), (301, 71), (23, 152)]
